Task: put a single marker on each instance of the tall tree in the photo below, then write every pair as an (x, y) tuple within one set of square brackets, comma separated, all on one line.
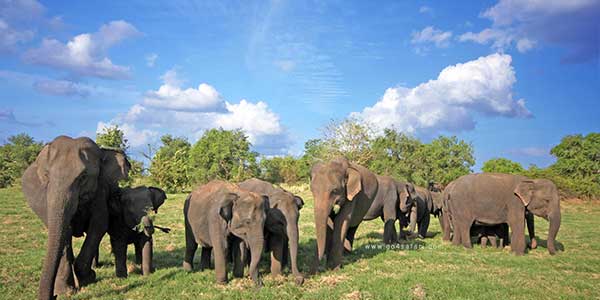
[(112, 137), (169, 167), (15, 156), (350, 138), (502, 165), (222, 154)]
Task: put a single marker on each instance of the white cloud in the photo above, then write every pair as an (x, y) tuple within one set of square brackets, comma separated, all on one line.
[(449, 103), (171, 96), (431, 35), (151, 59), (11, 37), (524, 24), (425, 9), (85, 54), (189, 112)]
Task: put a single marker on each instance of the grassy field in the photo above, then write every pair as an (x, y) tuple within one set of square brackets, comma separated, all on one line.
[(435, 271)]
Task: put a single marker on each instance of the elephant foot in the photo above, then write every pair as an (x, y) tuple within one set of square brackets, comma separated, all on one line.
[(64, 288), (187, 266), (87, 277), (299, 280)]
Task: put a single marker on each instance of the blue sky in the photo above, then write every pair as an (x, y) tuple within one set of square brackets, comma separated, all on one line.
[(512, 77)]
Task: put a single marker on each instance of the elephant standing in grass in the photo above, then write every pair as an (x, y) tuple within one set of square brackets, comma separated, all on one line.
[(281, 225), (219, 216), (497, 235), (492, 198), (420, 213), (350, 187), (393, 199), (68, 187), (130, 223)]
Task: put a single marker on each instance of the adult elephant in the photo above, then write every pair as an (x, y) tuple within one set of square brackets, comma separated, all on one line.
[(68, 186), (393, 198), (420, 214), (352, 188), (218, 216), (281, 225), (492, 198)]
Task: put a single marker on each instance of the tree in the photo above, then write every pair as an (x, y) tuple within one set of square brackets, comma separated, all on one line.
[(350, 138), (169, 167), (285, 169), (112, 137), (445, 159), (502, 165), (578, 156), (15, 156), (222, 154), (397, 155)]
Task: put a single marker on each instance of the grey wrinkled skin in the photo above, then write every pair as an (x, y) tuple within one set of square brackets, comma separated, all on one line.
[(393, 199), (218, 216), (281, 226), (350, 187), (420, 214), (68, 186), (493, 198), (128, 211)]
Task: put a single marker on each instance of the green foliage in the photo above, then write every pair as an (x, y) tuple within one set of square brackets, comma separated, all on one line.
[(406, 158), (286, 169), (169, 168), (222, 154), (502, 165), (350, 138), (15, 156), (112, 137), (578, 157)]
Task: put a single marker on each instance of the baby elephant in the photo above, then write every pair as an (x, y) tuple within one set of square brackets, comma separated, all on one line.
[(424, 206), (497, 235), (218, 215), (130, 224)]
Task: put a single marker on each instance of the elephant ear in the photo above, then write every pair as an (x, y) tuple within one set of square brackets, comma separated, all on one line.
[(353, 184), (226, 209), (43, 161), (158, 197), (524, 191), (299, 202)]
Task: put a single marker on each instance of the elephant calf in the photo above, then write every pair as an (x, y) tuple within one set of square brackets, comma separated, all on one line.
[(497, 235), (424, 206), (130, 224), (218, 215), (281, 225)]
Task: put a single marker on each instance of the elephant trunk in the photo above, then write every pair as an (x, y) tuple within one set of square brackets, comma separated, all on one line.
[(292, 233), (59, 201), (554, 220), (148, 226), (256, 248), (322, 210)]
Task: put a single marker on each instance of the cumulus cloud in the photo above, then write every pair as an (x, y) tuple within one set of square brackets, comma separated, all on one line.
[(85, 54), (189, 112), (430, 35), (524, 24), (11, 37), (171, 96), (449, 102)]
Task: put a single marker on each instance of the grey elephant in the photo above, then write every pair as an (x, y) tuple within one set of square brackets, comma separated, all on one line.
[(496, 235), (420, 214), (350, 187), (131, 224), (281, 225), (493, 198), (68, 186), (393, 199), (218, 215)]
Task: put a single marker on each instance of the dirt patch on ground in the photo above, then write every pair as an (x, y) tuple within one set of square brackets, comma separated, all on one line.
[(333, 280), (418, 292)]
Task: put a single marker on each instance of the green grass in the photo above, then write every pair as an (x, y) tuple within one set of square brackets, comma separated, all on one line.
[(437, 271)]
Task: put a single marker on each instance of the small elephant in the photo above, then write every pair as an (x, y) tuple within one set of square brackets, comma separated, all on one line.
[(497, 235), (218, 216), (281, 225), (420, 212), (393, 199), (131, 224), (68, 187)]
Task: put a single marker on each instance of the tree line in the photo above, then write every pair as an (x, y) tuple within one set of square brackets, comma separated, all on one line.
[(176, 165)]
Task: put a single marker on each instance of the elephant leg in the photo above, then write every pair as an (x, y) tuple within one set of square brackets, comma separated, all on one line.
[(119, 249), (462, 233), (517, 226), (96, 259), (349, 239), (340, 229), (389, 228), (493, 241), (531, 229), (66, 281), (285, 260), (445, 224), (204, 259), (277, 252), (413, 219), (147, 254), (138, 251), (424, 225), (238, 247), (190, 250), (484, 241)]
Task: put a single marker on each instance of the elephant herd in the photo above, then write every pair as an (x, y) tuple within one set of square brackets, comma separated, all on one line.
[(72, 186)]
